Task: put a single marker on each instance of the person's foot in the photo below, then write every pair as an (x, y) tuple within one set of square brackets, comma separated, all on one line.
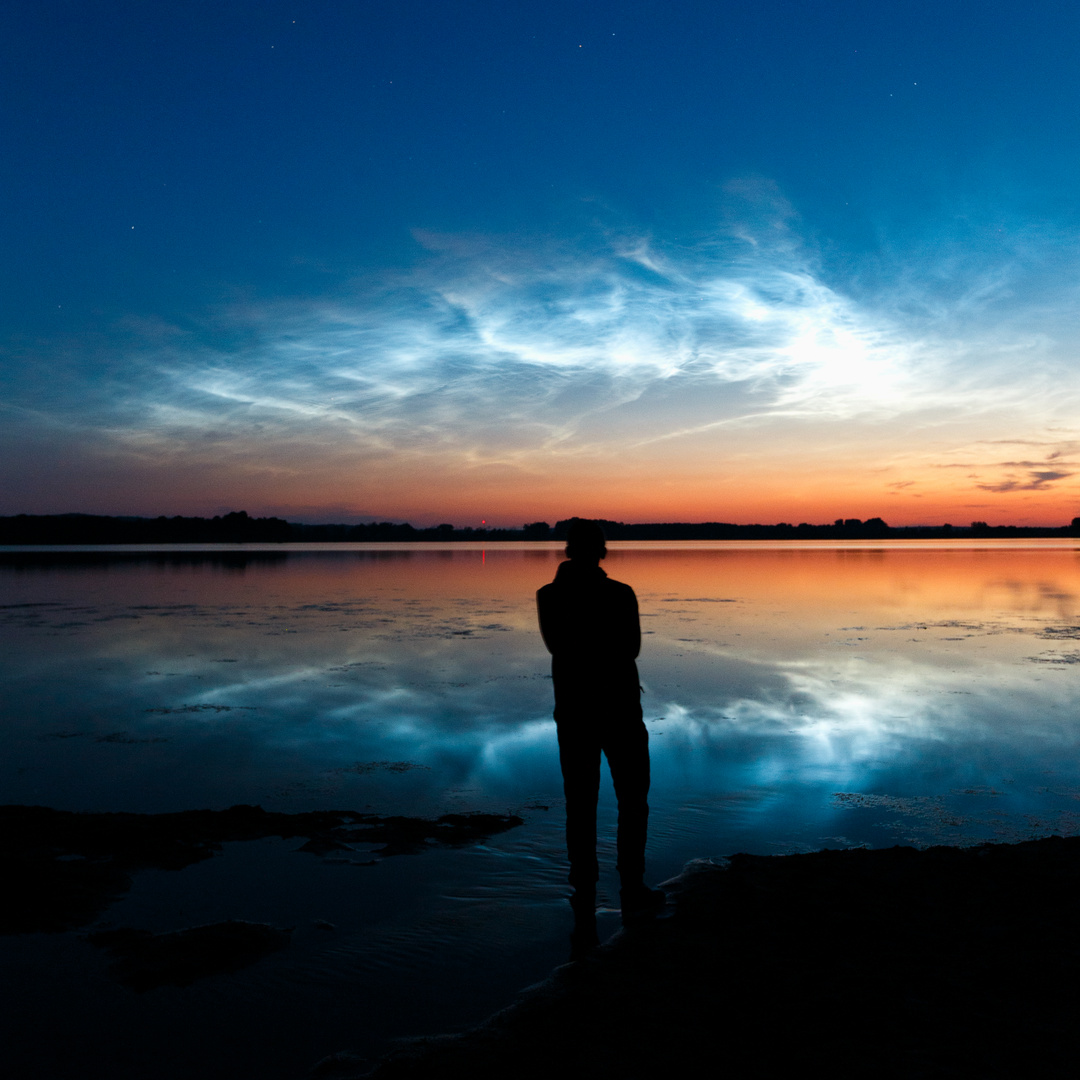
[(639, 901)]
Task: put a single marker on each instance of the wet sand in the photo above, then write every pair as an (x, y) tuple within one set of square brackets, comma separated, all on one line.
[(944, 962)]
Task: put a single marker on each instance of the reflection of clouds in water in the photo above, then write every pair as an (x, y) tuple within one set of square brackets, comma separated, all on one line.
[(481, 727), (812, 719), (503, 750), (426, 712), (460, 704), (761, 701)]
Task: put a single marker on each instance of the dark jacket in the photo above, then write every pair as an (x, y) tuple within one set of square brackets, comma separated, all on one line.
[(590, 626)]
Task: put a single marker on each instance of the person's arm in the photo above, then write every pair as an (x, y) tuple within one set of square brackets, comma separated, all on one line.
[(546, 610), (633, 625)]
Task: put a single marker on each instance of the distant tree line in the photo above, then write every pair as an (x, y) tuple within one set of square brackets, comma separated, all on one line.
[(841, 529), (240, 528), (235, 528)]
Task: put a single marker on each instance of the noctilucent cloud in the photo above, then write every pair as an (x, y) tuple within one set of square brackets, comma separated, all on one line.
[(437, 261)]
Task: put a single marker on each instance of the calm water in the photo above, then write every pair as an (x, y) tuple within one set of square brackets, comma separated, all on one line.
[(796, 697)]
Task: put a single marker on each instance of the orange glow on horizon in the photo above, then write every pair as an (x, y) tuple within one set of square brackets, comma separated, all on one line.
[(785, 485)]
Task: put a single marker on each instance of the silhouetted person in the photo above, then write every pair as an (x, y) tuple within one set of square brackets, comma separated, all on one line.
[(591, 628)]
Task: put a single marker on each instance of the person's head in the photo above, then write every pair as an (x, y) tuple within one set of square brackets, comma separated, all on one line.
[(585, 541)]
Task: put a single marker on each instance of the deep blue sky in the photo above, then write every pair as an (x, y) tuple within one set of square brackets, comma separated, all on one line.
[(191, 189)]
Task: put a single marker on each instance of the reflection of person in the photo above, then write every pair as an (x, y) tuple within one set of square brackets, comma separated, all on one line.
[(591, 628)]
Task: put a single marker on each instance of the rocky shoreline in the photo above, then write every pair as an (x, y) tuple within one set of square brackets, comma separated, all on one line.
[(944, 962)]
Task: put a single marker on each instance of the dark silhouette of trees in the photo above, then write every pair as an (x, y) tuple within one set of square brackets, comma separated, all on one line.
[(234, 528), (240, 528)]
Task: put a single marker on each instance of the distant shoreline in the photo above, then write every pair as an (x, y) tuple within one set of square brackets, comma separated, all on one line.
[(239, 528)]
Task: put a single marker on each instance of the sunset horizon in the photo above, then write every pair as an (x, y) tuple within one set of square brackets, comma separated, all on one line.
[(754, 263)]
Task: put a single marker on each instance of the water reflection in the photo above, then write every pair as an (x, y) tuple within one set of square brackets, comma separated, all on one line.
[(785, 673), (795, 697)]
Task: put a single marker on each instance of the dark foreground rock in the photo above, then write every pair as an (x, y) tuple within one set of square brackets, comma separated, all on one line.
[(897, 963), (62, 869)]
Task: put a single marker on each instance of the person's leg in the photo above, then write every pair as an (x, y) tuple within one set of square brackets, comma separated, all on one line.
[(626, 747), (579, 756)]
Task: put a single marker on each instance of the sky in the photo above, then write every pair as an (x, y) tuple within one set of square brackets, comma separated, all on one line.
[(429, 260)]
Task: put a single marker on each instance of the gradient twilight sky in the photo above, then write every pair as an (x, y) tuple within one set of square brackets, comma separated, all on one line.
[(433, 260)]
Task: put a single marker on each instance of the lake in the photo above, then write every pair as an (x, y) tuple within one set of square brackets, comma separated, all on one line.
[(797, 696)]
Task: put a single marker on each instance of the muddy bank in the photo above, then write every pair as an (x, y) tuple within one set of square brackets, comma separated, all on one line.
[(63, 869), (944, 962)]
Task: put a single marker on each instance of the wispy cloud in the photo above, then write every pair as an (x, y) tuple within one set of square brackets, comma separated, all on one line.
[(1018, 475), (1037, 480), (502, 352), (487, 333)]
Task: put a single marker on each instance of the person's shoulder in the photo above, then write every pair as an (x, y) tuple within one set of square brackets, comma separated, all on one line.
[(619, 587), (550, 592), (564, 577)]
